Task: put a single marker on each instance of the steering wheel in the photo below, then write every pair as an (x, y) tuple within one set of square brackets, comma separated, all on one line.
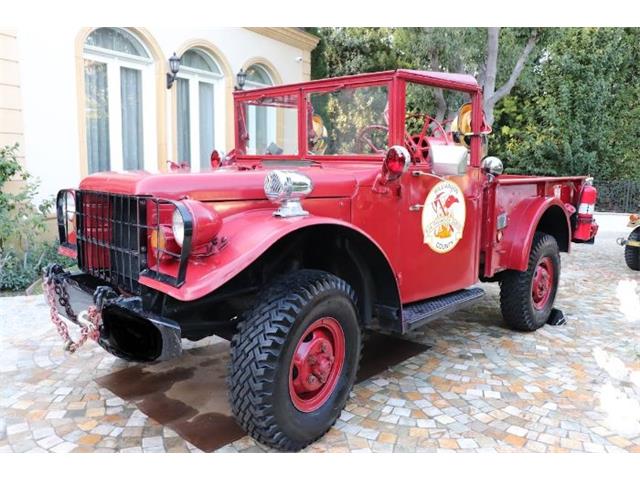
[(363, 137), (417, 144)]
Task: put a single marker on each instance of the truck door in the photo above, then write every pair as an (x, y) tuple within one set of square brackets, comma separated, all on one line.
[(440, 221)]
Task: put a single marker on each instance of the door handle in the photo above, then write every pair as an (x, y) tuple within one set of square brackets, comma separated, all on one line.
[(416, 208), (420, 173)]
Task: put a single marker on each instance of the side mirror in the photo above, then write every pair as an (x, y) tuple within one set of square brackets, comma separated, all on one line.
[(492, 166)]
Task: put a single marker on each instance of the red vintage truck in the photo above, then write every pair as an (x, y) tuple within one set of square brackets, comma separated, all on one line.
[(346, 205)]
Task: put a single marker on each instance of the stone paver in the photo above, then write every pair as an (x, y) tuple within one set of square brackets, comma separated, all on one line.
[(481, 387)]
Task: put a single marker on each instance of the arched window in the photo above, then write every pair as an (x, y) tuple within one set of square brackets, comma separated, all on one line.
[(119, 107), (200, 108), (261, 123), (258, 76)]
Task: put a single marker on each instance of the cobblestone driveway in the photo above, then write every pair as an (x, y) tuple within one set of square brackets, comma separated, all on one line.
[(481, 387)]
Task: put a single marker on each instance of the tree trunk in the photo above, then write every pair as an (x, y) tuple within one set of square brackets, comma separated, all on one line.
[(491, 95)]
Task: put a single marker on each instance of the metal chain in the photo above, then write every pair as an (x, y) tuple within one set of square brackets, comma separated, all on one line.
[(88, 329), (64, 300)]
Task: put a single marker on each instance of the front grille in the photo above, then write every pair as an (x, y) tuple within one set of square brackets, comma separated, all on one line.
[(112, 237)]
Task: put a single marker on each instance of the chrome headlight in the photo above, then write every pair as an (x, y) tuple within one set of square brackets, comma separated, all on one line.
[(287, 188), (177, 227), (196, 222)]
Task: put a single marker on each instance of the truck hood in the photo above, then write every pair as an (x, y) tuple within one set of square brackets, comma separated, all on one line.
[(227, 183)]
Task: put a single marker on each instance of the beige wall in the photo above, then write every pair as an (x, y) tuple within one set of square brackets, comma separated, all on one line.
[(11, 122), (11, 126)]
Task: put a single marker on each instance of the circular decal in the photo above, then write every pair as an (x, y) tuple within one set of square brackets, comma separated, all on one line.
[(443, 217)]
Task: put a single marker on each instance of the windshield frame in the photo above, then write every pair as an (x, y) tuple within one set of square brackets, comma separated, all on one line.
[(261, 94), (394, 80)]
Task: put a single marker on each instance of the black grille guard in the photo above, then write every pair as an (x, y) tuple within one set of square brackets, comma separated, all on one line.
[(112, 237)]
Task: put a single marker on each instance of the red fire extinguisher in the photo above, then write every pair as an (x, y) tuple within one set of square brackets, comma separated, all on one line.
[(585, 227)]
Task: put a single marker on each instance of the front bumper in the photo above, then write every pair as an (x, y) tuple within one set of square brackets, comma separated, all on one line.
[(127, 330)]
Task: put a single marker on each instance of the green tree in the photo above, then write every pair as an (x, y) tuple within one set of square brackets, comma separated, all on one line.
[(580, 113), (560, 100), (351, 50), (497, 57)]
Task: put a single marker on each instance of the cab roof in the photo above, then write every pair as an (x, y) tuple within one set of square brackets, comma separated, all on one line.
[(453, 81)]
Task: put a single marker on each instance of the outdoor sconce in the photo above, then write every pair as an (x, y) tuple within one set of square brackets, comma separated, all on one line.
[(241, 78), (174, 66)]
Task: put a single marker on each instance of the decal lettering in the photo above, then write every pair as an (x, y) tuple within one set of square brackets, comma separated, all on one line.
[(443, 217)]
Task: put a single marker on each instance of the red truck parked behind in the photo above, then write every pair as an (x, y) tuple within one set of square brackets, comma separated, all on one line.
[(347, 204)]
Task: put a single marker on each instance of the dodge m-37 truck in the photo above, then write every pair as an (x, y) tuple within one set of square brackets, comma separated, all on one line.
[(347, 204)]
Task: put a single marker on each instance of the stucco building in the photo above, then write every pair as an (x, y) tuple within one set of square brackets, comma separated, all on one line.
[(97, 99)]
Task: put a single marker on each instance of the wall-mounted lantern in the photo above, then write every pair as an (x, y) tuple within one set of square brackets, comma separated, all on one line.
[(241, 78), (174, 66)]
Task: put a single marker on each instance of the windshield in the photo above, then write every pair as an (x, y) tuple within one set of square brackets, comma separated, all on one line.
[(349, 121), (269, 125)]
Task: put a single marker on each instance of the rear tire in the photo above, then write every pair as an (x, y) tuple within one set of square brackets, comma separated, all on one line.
[(526, 298), (632, 254), (305, 325)]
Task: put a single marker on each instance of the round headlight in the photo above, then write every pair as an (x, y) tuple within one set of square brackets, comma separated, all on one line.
[(177, 227)]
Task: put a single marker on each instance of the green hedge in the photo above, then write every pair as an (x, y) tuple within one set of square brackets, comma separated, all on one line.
[(23, 251)]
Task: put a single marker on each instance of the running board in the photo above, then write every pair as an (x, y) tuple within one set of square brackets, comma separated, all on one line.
[(419, 314)]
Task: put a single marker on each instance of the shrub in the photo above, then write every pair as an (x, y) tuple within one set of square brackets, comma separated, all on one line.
[(23, 252)]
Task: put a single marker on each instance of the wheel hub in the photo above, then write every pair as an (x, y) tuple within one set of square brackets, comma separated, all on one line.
[(542, 283), (316, 364)]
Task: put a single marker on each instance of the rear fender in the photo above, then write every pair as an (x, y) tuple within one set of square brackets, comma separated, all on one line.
[(545, 214), (249, 235)]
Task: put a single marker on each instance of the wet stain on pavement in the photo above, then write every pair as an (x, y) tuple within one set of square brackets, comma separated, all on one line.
[(189, 394), (383, 351), (136, 382)]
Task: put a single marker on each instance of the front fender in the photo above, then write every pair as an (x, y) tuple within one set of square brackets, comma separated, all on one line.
[(249, 235), (518, 237)]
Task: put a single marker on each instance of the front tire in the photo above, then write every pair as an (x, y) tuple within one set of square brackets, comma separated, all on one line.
[(294, 359), (526, 298), (632, 254)]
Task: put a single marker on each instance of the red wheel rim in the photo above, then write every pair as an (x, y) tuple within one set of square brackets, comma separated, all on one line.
[(542, 284), (316, 364)]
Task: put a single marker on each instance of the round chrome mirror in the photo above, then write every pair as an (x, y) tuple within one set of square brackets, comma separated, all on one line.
[(492, 166)]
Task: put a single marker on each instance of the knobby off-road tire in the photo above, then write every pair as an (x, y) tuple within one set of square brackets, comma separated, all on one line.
[(632, 254), (524, 304), (297, 311)]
